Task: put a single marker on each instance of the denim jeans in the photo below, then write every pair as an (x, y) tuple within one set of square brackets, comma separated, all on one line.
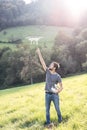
[(55, 99)]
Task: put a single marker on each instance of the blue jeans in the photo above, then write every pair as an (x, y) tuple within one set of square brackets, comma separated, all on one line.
[(55, 99)]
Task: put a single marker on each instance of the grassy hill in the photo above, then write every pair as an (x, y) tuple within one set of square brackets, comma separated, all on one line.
[(23, 108), (47, 32)]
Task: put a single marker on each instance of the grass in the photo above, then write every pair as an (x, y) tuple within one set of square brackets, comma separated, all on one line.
[(23, 108), (47, 32), (2, 45)]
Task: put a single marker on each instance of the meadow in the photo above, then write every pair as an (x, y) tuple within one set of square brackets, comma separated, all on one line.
[(48, 34), (23, 108)]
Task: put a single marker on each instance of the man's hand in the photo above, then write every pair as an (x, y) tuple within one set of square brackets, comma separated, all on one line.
[(55, 90), (59, 89)]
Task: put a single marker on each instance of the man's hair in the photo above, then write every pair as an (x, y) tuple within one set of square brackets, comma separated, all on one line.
[(56, 65)]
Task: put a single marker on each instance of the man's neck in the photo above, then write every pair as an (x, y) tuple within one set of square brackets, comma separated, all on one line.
[(53, 71)]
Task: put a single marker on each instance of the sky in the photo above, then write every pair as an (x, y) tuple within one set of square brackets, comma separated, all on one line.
[(76, 7), (27, 1)]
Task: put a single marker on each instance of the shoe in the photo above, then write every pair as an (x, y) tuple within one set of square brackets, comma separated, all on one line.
[(59, 121), (46, 123)]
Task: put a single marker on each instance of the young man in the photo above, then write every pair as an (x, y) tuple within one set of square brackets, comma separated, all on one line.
[(51, 89)]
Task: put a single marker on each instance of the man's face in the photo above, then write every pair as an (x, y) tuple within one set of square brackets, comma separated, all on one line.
[(51, 66)]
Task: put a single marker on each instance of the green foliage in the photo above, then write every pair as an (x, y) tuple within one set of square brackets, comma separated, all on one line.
[(10, 11), (23, 108), (84, 34), (31, 66), (85, 66), (19, 67), (62, 38), (70, 51), (77, 31), (4, 54)]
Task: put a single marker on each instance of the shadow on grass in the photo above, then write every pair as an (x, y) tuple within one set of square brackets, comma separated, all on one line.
[(66, 118), (27, 124), (34, 125), (10, 111), (38, 125), (14, 120), (1, 126)]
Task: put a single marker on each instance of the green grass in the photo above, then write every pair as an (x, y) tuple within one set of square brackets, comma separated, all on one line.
[(23, 108), (2, 45), (47, 32)]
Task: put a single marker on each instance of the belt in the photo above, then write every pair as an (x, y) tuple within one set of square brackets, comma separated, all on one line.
[(49, 93)]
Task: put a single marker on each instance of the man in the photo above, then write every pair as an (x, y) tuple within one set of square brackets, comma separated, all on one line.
[(53, 80)]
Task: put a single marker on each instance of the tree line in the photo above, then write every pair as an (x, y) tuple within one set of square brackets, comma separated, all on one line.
[(17, 13), (22, 66)]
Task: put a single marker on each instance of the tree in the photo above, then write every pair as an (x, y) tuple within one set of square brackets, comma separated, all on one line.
[(70, 51), (62, 39), (4, 64), (31, 66), (81, 50), (84, 34), (77, 31), (10, 11), (14, 69)]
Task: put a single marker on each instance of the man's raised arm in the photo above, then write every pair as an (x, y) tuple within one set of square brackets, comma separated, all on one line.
[(41, 59)]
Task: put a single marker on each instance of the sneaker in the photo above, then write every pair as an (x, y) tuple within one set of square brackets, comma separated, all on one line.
[(46, 123), (59, 121)]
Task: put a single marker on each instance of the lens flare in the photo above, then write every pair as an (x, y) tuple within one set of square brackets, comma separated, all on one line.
[(76, 7)]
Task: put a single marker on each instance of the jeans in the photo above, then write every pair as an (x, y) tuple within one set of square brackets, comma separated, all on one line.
[(55, 99)]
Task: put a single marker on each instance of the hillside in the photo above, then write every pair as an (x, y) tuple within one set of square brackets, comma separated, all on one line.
[(48, 34), (23, 108)]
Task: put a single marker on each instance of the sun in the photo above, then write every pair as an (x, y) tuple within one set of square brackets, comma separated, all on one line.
[(76, 7)]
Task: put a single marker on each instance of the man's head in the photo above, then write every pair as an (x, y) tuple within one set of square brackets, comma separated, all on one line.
[(54, 66)]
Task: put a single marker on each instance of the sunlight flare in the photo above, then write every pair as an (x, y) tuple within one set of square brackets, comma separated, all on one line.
[(76, 7)]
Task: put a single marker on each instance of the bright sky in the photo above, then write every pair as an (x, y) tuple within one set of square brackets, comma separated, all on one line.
[(27, 1), (76, 7)]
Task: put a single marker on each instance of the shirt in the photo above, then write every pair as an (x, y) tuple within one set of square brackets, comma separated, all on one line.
[(51, 80)]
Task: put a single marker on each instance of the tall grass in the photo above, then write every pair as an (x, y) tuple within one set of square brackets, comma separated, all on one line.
[(23, 108)]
